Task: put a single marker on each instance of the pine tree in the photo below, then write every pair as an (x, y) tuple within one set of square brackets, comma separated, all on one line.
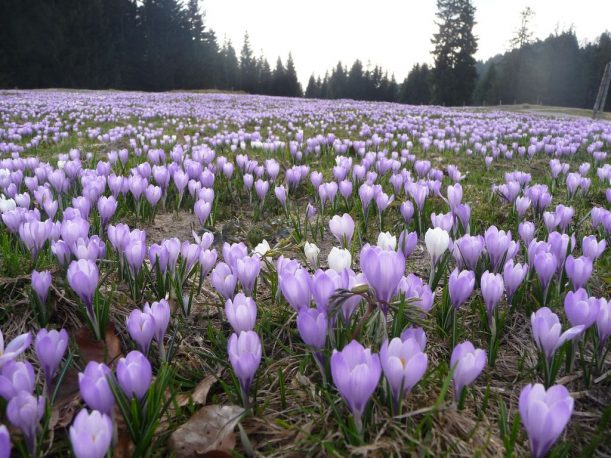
[(454, 74)]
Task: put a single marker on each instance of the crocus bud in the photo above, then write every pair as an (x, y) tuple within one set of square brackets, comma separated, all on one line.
[(311, 252), (578, 270), (339, 259), (94, 388), (91, 434), (295, 287), (342, 227), (603, 321), (83, 278), (546, 331), (383, 270), (592, 248), (437, 241), (141, 327), (241, 313), (312, 324), (544, 415), (245, 356), (50, 348), (513, 276), (581, 309), (387, 241), (248, 269), (407, 242), (134, 373), (356, 373), (460, 286), (467, 362), (492, 290), (15, 347), (41, 281), (5, 442), (223, 280), (403, 363), (25, 411), (160, 311), (16, 376), (202, 210)]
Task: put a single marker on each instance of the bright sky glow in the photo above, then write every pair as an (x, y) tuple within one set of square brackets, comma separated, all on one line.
[(395, 34)]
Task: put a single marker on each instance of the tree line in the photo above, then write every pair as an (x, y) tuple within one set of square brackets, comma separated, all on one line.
[(152, 45), (158, 45)]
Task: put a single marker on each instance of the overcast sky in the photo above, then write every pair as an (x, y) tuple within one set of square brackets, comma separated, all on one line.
[(392, 33)]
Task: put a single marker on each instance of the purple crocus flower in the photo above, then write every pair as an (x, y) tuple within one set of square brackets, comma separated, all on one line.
[(207, 259), (545, 266), (467, 251), (513, 276), (546, 331), (5, 442), (135, 374), (342, 227), (280, 192), (295, 287), (241, 312), (407, 242), (407, 211), (50, 347), (244, 352), (107, 206), (83, 276), (160, 311), (578, 270), (497, 244), (15, 347), (312, 324), (356, 373), (443, 221), (261, 188), (94, 387), (16, 376), (592, 248), (91, 434), (41, 281), (383, 270), (467, 362), (202, 210), (141, 328), (248, 269), (25, 411), (233, 252), (135, 252), (544, 415), (460, 286), (417, 292), (492, 290), (581, 309), (223, 280), (415, 333), (34, 234), (526, 229), (323, 285), (404, 364), (603, 321)]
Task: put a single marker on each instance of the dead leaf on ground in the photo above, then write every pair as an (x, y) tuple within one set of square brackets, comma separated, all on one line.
[(200, 393), (207, 433), (107, 351)]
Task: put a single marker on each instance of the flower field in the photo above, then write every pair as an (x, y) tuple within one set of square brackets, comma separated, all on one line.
[(188, 274)]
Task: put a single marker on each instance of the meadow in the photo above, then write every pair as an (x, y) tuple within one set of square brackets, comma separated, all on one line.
[(201, 274)]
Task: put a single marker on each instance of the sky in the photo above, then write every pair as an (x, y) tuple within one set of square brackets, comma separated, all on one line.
[(394, 34)]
